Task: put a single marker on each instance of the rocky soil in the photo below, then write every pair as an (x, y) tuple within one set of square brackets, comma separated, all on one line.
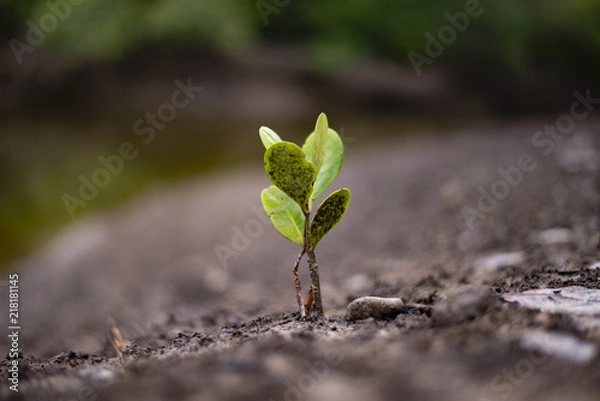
[(202, 327)]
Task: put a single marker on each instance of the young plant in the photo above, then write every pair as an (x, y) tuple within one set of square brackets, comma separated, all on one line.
[(300, 176)]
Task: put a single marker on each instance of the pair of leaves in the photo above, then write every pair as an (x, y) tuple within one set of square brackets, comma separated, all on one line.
[(323, 148), (288, 219), (300, 177)]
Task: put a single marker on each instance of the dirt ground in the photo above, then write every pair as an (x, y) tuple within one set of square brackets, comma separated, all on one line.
[(204, 328)]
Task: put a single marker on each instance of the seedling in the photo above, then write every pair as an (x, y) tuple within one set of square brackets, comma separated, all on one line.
[(300, 176)]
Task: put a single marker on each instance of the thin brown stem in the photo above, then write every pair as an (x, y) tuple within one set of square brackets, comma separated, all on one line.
[(297, 285), (316, 284), (313, 267)]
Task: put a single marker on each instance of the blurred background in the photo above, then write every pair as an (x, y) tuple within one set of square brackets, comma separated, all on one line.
[(187, 84)]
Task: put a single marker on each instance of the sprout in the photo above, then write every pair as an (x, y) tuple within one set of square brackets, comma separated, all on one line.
[(300, 176)]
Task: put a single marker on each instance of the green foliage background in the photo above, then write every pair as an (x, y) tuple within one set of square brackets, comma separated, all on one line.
[(511, 34)]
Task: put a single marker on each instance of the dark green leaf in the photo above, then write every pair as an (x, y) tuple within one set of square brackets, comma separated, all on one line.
[(288, 169), (328, 214)]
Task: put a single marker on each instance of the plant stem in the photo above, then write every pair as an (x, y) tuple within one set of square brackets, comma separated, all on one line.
[(313, 268), (316, 284), (297, 285)]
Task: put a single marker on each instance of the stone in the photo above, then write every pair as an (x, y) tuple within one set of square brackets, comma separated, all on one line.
[(375, 307)]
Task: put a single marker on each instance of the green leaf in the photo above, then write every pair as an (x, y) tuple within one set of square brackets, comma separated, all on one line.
[(288, 169), (268, 137), (320, 141), (334, 157), (328, 214), (285, 214)]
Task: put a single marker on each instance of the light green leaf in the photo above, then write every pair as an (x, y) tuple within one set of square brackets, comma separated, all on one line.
[(320, 141), (288, 169), (285, 214), (334, 158), (268, 137), (328, 214)]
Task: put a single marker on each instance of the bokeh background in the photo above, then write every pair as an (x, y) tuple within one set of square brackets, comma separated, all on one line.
[(77, 75)]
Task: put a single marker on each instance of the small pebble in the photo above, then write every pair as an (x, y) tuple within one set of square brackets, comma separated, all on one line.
[(375, 307)]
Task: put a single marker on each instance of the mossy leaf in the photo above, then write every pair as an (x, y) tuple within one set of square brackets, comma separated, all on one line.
[(285, 214), (288, 169), (332, 162), (320, 141), (328, 214), (268, 137)]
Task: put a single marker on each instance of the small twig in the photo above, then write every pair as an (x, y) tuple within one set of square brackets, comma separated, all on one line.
[(298, 286), (114, 336), (309, 300)]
